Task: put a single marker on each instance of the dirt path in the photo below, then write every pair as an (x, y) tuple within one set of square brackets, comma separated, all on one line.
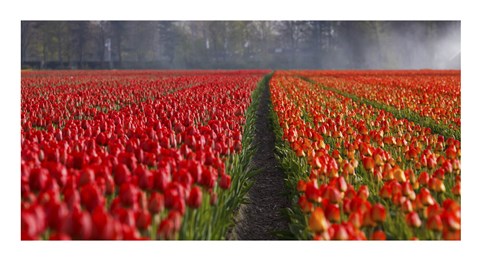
[(259, 219)]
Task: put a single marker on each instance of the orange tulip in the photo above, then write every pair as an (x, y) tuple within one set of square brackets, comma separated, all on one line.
[(436, 184), (317, 221), (379, 161), (399, 175)]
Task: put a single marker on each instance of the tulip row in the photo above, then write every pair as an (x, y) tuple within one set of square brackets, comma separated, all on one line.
[(134, 155), (430, 94), (357, 172)]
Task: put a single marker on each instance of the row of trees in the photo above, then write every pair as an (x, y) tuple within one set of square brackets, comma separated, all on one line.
[(239, 44)]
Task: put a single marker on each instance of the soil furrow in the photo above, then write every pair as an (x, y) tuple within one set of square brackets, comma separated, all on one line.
[(262, 217)]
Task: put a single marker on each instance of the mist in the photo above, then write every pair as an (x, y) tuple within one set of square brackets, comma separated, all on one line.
[(415, 45), (240, 44)]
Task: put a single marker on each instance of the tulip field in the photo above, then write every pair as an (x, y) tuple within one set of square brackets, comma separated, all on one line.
[(165, 155), (360, 172), (133, 155)]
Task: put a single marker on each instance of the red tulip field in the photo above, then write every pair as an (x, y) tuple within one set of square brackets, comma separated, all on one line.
[(173, 155)]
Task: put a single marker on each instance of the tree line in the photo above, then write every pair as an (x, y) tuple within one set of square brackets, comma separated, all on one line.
[(240, 44)]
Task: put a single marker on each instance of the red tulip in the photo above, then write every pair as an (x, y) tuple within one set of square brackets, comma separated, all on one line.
[(28, 227), (356, 218), (103, 224), (413, 219), (156, 203), (434, 223), (125, 216), (79, 225), (59, 172), (128, 194), (121, 174), (339, 232), (160, 179), (71, 197), (378, 213), (368, 163), (195, 170), (311, 192), (145, 177), (171, 194), (91, 197), (386, 191), (423, 178), (305, 205), (359, 204), (333, 195), (143, 219), (332, 213), (379, 235), (101, 139), (183, 177), (301, 186), (109, 185), (59, 236), (176, 218), (451, 221), (225, 182), (87, 176), (340, 183), (79, 160), (195, 198), (166, 230), (56, 215), (425, 197), (38, 179), (451, 235), (407, 206), (207, 180), (350, 193)]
